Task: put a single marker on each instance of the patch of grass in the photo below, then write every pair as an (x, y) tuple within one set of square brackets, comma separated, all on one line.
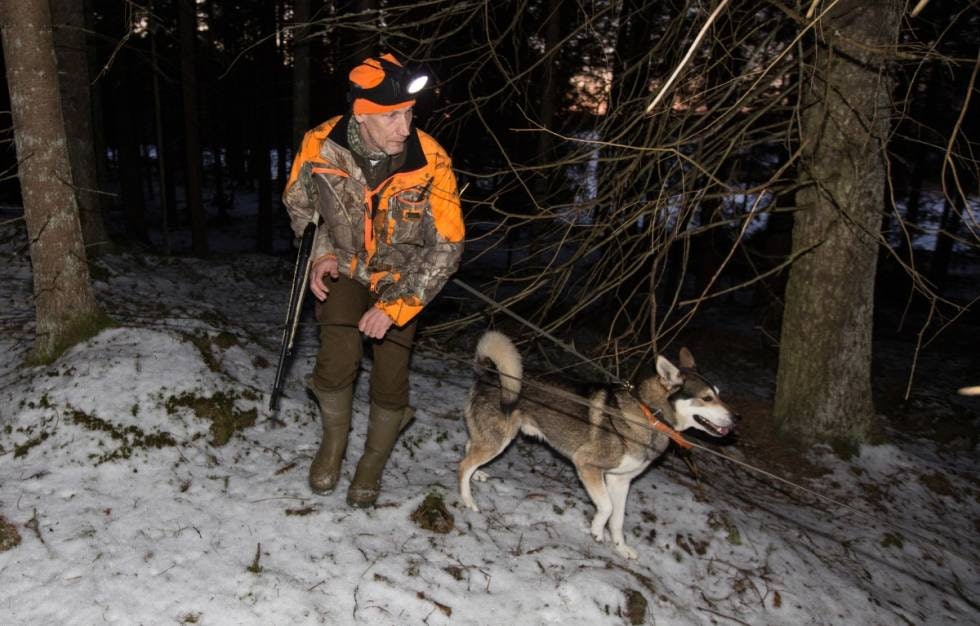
[(433, 515), (225, 340), (210, 345), (892, 539), (937, 482), (636, 607), (691, 545), (219, 409), (204, 345), (9, 537), (130, 437), (720, 520), (845, 448), (25, 447)]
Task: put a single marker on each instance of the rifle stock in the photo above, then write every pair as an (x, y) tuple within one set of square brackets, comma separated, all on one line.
[(301, 274)]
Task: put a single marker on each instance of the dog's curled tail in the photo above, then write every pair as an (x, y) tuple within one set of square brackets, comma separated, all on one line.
[(501, 351)]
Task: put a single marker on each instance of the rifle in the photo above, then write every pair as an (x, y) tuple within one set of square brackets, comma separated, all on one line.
[(301, 275)]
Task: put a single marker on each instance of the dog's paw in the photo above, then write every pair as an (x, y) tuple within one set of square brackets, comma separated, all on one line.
[(480, 476), (625, 551), (471, 505), (598, 534)]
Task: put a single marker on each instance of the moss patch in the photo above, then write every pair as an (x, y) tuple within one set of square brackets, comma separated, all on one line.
[(219, 409), (211, 346), (129, 437), (636, 607), (9, 537), (25, 447), (937, 482), (433, 515), (719, 520), (75, 331), (203, 344)]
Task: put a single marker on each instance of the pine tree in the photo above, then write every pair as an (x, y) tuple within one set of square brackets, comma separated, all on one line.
[(66, 308), (824, 379)]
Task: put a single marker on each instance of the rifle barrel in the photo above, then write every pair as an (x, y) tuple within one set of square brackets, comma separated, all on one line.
[(293, 309)]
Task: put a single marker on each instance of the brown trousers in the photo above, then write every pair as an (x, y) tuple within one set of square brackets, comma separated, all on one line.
[(342, 346)]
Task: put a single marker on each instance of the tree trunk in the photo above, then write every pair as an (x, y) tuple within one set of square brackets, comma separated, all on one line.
[(66, 308), (73, 76), (162, 173), (187, 20), (263, 106), (130, 171), (824, 379), (104, 200), (301, 73)]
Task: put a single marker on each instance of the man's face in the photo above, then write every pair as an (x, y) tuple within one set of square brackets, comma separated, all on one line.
[(386, 131)]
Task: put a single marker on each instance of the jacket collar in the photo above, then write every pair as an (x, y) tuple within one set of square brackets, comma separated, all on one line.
[(414, 157)]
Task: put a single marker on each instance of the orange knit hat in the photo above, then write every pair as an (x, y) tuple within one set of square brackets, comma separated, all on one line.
[(378, 85)]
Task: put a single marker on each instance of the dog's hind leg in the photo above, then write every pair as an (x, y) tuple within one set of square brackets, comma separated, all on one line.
[(619, 488), (596, 487), (477, 454)]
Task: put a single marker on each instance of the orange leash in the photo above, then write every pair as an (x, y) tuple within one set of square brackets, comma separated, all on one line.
[(665, 429)]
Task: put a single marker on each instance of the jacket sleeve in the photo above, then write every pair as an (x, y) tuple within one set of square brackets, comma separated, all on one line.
[(301, 198), (444, 236)]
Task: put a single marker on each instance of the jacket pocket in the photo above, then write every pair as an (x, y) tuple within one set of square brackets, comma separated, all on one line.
[(406, 217)]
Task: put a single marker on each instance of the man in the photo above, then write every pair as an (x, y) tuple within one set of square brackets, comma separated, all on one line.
[(390, 237)]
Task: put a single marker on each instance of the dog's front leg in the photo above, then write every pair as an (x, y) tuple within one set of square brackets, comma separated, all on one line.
[(619, 488), (596, 488)]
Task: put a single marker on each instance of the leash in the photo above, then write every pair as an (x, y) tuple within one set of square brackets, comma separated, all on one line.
[(567, 347), (652, 415), (653, 421)]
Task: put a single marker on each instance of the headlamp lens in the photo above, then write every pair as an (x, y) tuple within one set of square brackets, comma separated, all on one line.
[(417, 84)]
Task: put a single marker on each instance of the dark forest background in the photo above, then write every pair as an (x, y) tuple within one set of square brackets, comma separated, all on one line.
[(588, 212)]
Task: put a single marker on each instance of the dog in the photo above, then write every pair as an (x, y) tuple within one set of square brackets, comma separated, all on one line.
[(608, 439)]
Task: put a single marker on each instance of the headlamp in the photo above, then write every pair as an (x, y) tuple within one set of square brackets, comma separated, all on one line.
[(395, 84), (403, 82)]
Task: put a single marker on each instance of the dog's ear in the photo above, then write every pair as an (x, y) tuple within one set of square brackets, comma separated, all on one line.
[(670, 376), (687, 359)]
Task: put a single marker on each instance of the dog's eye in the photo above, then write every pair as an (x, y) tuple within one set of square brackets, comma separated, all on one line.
[(706, 398)]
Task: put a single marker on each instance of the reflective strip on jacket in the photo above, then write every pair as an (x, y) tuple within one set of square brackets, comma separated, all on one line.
[(402, 239)]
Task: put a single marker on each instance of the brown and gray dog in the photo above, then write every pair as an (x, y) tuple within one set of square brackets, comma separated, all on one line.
[(610, 441)]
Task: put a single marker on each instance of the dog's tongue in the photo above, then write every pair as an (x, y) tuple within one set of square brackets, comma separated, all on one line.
[(718, 431)]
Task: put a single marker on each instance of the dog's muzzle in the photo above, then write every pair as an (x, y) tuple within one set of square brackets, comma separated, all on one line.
[(717, 431)]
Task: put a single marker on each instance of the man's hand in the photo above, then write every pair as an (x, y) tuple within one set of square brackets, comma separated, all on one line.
[(322, 267), (375, 323)]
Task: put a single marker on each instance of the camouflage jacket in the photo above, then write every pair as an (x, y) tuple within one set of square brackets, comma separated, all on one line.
[(403, 239)]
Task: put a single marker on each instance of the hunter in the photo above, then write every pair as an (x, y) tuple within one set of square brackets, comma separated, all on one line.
[(391, 235)]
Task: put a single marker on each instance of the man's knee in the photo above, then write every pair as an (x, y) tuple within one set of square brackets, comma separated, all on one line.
[(339, 358)]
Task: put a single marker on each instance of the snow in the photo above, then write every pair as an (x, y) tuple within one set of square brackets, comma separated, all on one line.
[(117, 530)]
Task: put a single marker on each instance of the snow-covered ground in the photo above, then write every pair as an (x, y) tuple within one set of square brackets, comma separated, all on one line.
[(129, 511)]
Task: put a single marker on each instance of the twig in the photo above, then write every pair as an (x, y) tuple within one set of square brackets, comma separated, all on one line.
[(35, 525), (918, 8), (255, 568), (687, 57)]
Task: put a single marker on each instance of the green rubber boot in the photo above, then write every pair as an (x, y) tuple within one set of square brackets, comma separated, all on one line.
[(335, 410), (383, 428)]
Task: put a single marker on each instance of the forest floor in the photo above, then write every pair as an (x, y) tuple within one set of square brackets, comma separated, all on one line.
[(142, 481)]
